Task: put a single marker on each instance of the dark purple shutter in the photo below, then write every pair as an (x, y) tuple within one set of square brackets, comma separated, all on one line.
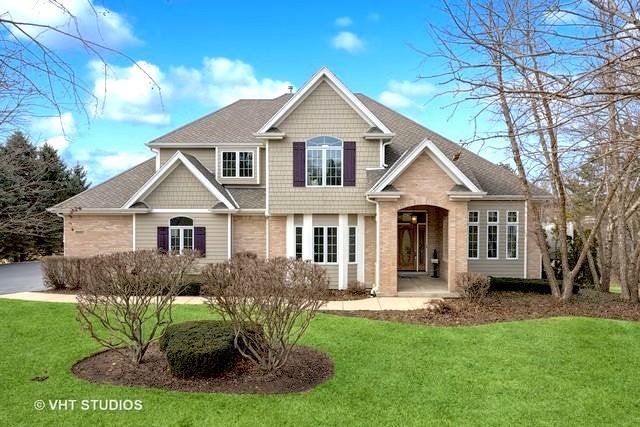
[(163, 239), (200, 241), (349, 164), (298, 164)]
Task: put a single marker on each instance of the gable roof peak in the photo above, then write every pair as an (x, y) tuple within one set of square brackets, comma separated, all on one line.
[(323, 75)]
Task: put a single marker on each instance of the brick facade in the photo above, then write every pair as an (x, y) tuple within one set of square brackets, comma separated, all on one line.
[(97, 234), (249, 234), (277, 226), (369, 250)]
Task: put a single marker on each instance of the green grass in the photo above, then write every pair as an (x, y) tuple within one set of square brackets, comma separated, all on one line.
[(563, 371)]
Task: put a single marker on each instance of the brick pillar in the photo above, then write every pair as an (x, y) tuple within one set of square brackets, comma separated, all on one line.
[(388, 256), (457, 235)]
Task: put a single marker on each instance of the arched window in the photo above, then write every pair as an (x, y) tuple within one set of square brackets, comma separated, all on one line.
[(180, 233), (324, 161)]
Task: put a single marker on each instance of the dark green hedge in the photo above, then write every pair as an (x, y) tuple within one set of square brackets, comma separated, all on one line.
[(200, 348), (515, 284)]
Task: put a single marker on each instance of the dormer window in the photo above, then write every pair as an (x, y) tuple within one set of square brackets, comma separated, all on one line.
[(324, 161), (237, 164)]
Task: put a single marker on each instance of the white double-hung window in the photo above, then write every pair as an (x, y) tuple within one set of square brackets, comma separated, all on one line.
[(180, 234), (237, 164), (512, 235), (324, 161), (492, 234), (474, 226), (325, 245)]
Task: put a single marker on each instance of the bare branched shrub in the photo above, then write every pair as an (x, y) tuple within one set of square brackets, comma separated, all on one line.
[(127, 301), (269, 302), (473, 286), (53, 272)]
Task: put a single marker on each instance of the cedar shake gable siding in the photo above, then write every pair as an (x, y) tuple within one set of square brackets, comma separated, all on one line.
[(180, 190)]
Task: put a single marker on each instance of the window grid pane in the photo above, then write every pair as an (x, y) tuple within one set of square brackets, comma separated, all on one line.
[(334, 167), (473, 216), (473, 241), (187, 238), (512, 241), (492, 241), (492, 216), (298, 242), (314, 167), (246, 164), (229, 164), (332, 244), (318, 244), (512, 216), (352, 244), (175, 239)]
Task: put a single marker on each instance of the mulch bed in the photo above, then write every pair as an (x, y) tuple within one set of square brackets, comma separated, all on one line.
[(305, 369), (509, 306), (347, 294)]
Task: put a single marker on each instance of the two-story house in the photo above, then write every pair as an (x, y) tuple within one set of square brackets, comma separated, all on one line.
[(324, 175)]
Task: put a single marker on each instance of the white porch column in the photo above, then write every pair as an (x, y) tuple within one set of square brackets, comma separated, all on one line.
[(291, 237), (307, 237), (343, 251), (360, 248)]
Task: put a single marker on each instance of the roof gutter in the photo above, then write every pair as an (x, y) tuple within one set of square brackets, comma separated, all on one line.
[(96, 211)]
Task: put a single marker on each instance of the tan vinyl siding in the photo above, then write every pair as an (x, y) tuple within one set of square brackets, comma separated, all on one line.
[(501, 267), (180, 190), (206, 156), (323, 112), (238, 180), (216, 232), (353, 273), (332, 274)]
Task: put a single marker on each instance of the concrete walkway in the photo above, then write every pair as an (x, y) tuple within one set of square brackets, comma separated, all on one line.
[(380, 303)]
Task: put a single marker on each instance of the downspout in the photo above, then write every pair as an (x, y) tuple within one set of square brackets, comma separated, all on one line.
[(383, 155), (374, 290)]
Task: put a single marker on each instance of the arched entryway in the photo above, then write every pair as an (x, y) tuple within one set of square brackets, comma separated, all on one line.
[(422, 249)]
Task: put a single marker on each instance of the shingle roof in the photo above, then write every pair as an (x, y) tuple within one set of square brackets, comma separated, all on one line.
[(237, 122), (114, 192)]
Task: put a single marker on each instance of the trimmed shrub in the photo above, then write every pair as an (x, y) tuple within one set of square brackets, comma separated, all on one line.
[(472, 286), (199, 348), (515, 284), (53, 272)]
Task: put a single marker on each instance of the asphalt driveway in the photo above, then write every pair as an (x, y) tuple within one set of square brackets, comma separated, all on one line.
[(20, 277)]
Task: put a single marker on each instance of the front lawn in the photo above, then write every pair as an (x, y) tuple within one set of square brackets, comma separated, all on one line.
[(561, 371)]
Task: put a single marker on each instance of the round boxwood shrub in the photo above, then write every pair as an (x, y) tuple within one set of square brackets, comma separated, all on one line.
[(200, 348)]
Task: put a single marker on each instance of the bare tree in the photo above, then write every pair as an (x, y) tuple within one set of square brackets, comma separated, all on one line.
[(126, 302), (269, 302), (542, 67)]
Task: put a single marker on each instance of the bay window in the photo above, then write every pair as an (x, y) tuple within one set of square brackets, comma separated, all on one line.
[(492, 234), (512, 235), (325, 244), (473, 234)]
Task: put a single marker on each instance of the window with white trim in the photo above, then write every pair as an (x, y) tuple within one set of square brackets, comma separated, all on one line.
[(237, 164), (492, 234), (298, 242), (324, 161), (512, 235), (325, 245), (474, 226), (180, 234), (352, 244)]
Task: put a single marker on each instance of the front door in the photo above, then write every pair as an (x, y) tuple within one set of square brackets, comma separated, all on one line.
[(406, 247)]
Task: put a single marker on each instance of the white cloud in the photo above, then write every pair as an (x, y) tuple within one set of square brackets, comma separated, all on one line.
[(221, 81), (131, 94), (347, 41), (402, 94), (55, 131), (395, 100), (118, 162), (78, 17), (343, 21)]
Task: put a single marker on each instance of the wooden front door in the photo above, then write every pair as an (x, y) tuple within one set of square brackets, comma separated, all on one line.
[(406, 247)]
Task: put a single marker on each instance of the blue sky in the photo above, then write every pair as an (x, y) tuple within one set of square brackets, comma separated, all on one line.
[(205, 54)]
